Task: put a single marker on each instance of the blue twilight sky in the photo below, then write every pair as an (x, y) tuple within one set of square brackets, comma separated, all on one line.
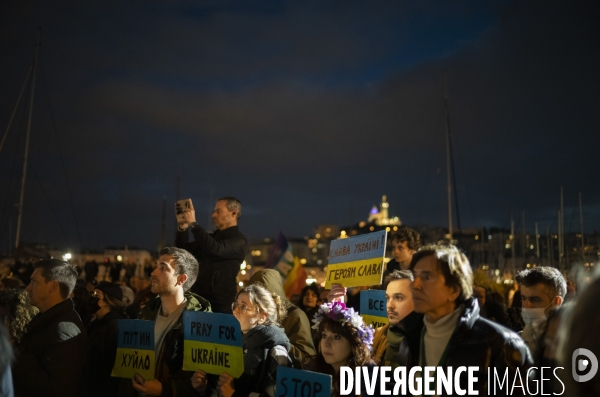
[(307, 111)]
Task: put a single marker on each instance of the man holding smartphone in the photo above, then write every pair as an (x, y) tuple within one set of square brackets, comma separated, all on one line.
[(220, 253)]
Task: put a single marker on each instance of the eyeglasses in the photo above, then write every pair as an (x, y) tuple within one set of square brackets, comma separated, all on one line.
[(242, 307)]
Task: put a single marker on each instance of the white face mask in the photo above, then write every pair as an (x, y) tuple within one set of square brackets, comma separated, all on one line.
[(535, 316)]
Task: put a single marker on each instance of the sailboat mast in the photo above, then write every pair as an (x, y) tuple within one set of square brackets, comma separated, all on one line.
[(448, 164), (581, 225), (24, 176)]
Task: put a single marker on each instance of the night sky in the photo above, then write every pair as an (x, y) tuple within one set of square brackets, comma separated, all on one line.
[(307, 111)]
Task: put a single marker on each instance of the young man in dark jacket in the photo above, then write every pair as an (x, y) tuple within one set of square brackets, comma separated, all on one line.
[(220, 254), (452, 333), (51, 355), (175, 272)]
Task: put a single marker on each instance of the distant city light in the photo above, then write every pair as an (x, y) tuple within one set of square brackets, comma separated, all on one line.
[(119, 258), (67, 256), (243, 265)]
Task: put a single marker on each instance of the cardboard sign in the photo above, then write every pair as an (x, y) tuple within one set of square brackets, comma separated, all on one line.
[(212, 342), (297, 383), (373, 308), (356, 261), (135, 349)]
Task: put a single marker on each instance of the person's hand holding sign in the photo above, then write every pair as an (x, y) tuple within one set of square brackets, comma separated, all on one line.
[(225, 385), (200, 381), (337, 294), (146, 387)]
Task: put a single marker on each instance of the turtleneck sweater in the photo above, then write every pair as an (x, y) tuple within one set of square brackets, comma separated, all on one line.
[(437, 336)]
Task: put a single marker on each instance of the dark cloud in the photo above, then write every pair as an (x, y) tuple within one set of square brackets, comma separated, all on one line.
[(308, 112)]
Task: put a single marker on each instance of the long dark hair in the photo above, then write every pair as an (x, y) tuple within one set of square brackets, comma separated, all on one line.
[(360, 354), (311, 287)]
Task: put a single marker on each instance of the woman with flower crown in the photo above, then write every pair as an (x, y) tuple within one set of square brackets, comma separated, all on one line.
[(343, 340)]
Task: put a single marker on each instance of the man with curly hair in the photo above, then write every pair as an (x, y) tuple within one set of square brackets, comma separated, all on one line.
[(404, 243)]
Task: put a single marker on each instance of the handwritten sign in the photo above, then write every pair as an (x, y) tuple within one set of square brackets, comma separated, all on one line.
[(135, 349), (212, 342), (373, 308), (297, 383), (356, 261)]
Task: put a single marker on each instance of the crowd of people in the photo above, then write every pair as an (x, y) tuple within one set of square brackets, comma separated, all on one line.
[(60, 338)]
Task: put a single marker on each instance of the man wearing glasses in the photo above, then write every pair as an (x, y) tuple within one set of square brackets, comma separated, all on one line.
[(55, 342), (176, 271)]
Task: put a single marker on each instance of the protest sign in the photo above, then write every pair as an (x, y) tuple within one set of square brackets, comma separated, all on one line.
[(373, 308), (297, 383), (135, 349), (213, 343), (356, 261)]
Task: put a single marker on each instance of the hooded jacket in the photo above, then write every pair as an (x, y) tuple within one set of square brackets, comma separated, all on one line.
[(296, 324), (476, 342)]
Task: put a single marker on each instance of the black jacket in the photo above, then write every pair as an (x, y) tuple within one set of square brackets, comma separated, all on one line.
[(51, 355), (103, 336), (476, 342), (220, 255)]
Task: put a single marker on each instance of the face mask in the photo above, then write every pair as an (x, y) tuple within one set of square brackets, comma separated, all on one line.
[(92, 305), (535, 316)]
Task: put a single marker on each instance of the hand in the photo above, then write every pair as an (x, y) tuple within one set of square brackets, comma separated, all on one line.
[(337, 294), (190, 214), (148, 388), (199, 381), (225, 385)]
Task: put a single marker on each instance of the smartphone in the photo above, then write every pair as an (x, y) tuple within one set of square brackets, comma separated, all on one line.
[(180, 207), (139, 378)]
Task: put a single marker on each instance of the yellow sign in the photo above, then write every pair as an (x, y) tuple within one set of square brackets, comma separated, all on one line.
[(130, 361), (374, 321), (213, 358), (354, 274)]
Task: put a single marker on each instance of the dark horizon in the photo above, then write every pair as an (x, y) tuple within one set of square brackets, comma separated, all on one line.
[(308, 113)]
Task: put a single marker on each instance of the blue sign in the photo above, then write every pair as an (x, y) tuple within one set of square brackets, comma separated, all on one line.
[(223, 329), (365, 246), (297, 383), (136, 334), (372, 303)]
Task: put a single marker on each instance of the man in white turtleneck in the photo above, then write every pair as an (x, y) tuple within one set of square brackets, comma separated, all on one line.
[(453, 334)]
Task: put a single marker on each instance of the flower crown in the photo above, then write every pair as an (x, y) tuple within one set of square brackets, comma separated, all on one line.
[(337, 311)]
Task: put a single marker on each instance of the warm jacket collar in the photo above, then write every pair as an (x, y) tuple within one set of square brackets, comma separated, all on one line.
[(411, 324), (195, 303), (230, 231), (43, 318), (265, 337)]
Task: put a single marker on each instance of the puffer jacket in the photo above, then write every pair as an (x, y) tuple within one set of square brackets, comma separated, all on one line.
[(476, 342)]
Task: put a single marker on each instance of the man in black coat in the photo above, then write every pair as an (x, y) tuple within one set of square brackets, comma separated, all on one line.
[(452, 333), (51, 355), (220, 254)]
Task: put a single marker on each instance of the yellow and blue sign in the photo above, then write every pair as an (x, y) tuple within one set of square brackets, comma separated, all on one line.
[(297, 383), (373, 308), (213, 343), (356, 261), (135, 349)]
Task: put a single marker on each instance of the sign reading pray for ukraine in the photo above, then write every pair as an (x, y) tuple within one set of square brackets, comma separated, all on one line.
[(373, 308), (297, 383), (356, 261), (135, 349), (212, 342)]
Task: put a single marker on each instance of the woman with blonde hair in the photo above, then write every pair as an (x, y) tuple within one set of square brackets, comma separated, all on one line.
[(265, 344)]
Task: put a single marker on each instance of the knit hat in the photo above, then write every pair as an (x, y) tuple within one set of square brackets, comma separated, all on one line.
[(111, 289)]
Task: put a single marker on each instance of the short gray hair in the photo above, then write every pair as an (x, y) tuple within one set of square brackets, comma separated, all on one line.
[(232, 204)]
